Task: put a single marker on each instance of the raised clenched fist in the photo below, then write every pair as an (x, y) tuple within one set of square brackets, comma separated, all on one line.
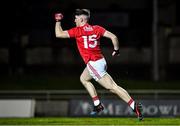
[(58, 16)]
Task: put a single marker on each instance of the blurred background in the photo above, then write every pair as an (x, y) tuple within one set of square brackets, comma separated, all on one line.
[(35, 65)]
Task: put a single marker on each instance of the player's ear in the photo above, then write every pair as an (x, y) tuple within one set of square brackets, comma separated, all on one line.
[(81, 19)]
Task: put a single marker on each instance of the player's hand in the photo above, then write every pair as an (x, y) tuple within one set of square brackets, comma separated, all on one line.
[(58, 16), (115, 53)]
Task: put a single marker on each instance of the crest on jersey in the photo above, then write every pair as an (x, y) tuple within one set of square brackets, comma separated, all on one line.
[(87, 28)]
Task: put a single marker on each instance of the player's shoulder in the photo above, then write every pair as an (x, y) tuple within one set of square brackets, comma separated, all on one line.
[(73, 28), (98, 27)]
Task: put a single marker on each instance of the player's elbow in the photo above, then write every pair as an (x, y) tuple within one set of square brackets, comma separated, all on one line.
[(60, 36), (114, 37)]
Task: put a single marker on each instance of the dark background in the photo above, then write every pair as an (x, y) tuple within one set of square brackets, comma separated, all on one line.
[(30, 53)]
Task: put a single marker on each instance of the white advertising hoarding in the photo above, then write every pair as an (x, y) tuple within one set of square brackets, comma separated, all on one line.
[(17, 108)]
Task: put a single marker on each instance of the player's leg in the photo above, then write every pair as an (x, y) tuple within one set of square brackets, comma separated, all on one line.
[(107, 82), (85, 80)]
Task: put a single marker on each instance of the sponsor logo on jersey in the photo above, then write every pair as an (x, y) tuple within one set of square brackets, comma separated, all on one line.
[(87, 28)]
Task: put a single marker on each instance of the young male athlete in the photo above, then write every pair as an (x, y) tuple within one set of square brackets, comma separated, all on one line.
[(88, 42)]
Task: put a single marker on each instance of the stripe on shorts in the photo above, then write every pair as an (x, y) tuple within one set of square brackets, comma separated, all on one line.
[(94, 71)]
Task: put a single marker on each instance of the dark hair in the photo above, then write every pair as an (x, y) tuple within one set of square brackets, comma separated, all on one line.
[(82, 12)]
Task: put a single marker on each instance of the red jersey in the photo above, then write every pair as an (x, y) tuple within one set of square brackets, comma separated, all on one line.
[(88, 41)]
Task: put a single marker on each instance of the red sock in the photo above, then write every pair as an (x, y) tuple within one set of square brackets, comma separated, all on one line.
[(131, 103)]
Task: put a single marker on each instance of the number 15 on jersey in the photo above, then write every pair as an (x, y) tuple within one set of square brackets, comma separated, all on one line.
[(88, 39)]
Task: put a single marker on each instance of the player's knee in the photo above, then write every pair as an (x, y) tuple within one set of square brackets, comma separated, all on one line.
[(82, 80)]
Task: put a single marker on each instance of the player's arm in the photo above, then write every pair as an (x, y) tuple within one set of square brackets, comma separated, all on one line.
[(114, 40), (59, 32)]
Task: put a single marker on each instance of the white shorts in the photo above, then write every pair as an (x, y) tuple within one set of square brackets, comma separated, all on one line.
[(97, 69)]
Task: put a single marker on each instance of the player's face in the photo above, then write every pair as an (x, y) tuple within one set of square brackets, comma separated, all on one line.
[(77, 20)]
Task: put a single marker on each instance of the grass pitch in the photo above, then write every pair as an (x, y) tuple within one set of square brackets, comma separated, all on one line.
[(85, 121)]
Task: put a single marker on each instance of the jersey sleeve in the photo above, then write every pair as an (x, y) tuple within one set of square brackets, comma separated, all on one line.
[(101, 30), (72, 32)]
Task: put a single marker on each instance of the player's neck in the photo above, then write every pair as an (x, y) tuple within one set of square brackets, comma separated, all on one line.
[(82, 24)]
